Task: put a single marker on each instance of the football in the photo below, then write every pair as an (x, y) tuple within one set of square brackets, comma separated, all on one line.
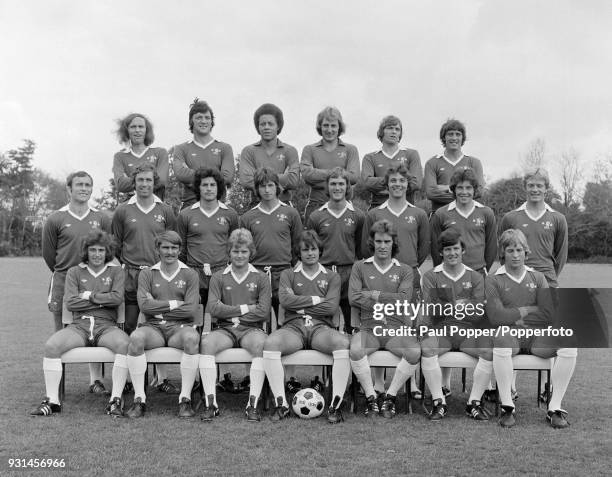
[(308, 403)]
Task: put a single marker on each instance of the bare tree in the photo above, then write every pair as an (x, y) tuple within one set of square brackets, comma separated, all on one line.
[(571, 176), (534, 158), (602, 170)]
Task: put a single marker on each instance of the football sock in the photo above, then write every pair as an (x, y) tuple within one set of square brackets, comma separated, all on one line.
[(257, 376), (403, 371), (189, 371), (52, 368), (561, 373), (208, 373), (379, 379), (362, 370), (433, 377), (502, 364), (95, 372), (446, 377), (119, 374), (275, 373), (138, 366), (482, 378), (341, 371)]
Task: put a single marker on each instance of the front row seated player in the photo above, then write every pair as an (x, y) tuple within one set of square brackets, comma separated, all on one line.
[(310, 295), (380, 280), (94, 290), (517, 296), (454, 283), (239, 300), (168, 295)]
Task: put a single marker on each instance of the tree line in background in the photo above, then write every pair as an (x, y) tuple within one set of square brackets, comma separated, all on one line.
[(28, 195)]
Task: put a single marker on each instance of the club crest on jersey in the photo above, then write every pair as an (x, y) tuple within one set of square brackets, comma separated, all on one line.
[(349, 221), (547, 225), (467, 284), (151, 158), (342, 154), (251, 286), (410, 219), (281, 157), (281, 217), (94, 224), (478, 221), (394, 277), (180, 283), (215, 151), (159, 218), (107, 281), (533, 286), (322, 283), (221, 221)]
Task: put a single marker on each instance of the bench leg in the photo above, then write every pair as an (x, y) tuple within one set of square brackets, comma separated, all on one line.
[(62, 386)]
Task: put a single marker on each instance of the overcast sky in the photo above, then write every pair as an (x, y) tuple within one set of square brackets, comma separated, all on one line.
[(512, 71)]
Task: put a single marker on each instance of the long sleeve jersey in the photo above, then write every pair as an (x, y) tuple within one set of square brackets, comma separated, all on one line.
[(316, 163), (183, 285), (439, 170), (394, 284), (477, 229), (376, 164), (340, 234), (205, 236), (229, 297), (274, 233), (546, 237), (191, 156), (317, 296), (135, 231), (105, 288), (63, 235), (284, 161), (412, 229), (127, 160)]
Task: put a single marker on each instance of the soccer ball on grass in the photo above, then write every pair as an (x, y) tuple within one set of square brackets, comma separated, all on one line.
[(308, 403)]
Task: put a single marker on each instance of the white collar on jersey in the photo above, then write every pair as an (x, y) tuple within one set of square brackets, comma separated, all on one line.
[(440, 269), (157, 266), (348, 206), (129, 150), (66, 208), (452, 163), (268, 212), (250, 269), (132, 200), (112, 263), (401, 148), (385, 205), (300, 268), (221, 205), (203, 146), (502, 271), (453, 206), (381, 270), (547, 208)]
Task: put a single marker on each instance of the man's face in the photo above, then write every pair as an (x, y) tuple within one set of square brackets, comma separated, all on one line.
[(240, 255), (267, 191), (398, 184), (208, 189), (514, 256), (464, 192), (337, 189), (137, 129), (202, 123), (383, 246), (168, 252), (452, 255), (536, 189), (268, 128), (143, 183), (309, 254), (330, 129), (81, 188), (392, 134), (96, 256), (453, 140)]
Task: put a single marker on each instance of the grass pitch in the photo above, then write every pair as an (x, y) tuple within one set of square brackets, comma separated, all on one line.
[(161, 444)]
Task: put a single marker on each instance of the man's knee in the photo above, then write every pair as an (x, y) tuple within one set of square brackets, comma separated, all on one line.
[(191, 341), (273, 342), (137, 343), (356, 350)]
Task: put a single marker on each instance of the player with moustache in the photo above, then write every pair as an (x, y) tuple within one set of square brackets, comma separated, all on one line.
[(376, 164), (135, 132), (203, 151)]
